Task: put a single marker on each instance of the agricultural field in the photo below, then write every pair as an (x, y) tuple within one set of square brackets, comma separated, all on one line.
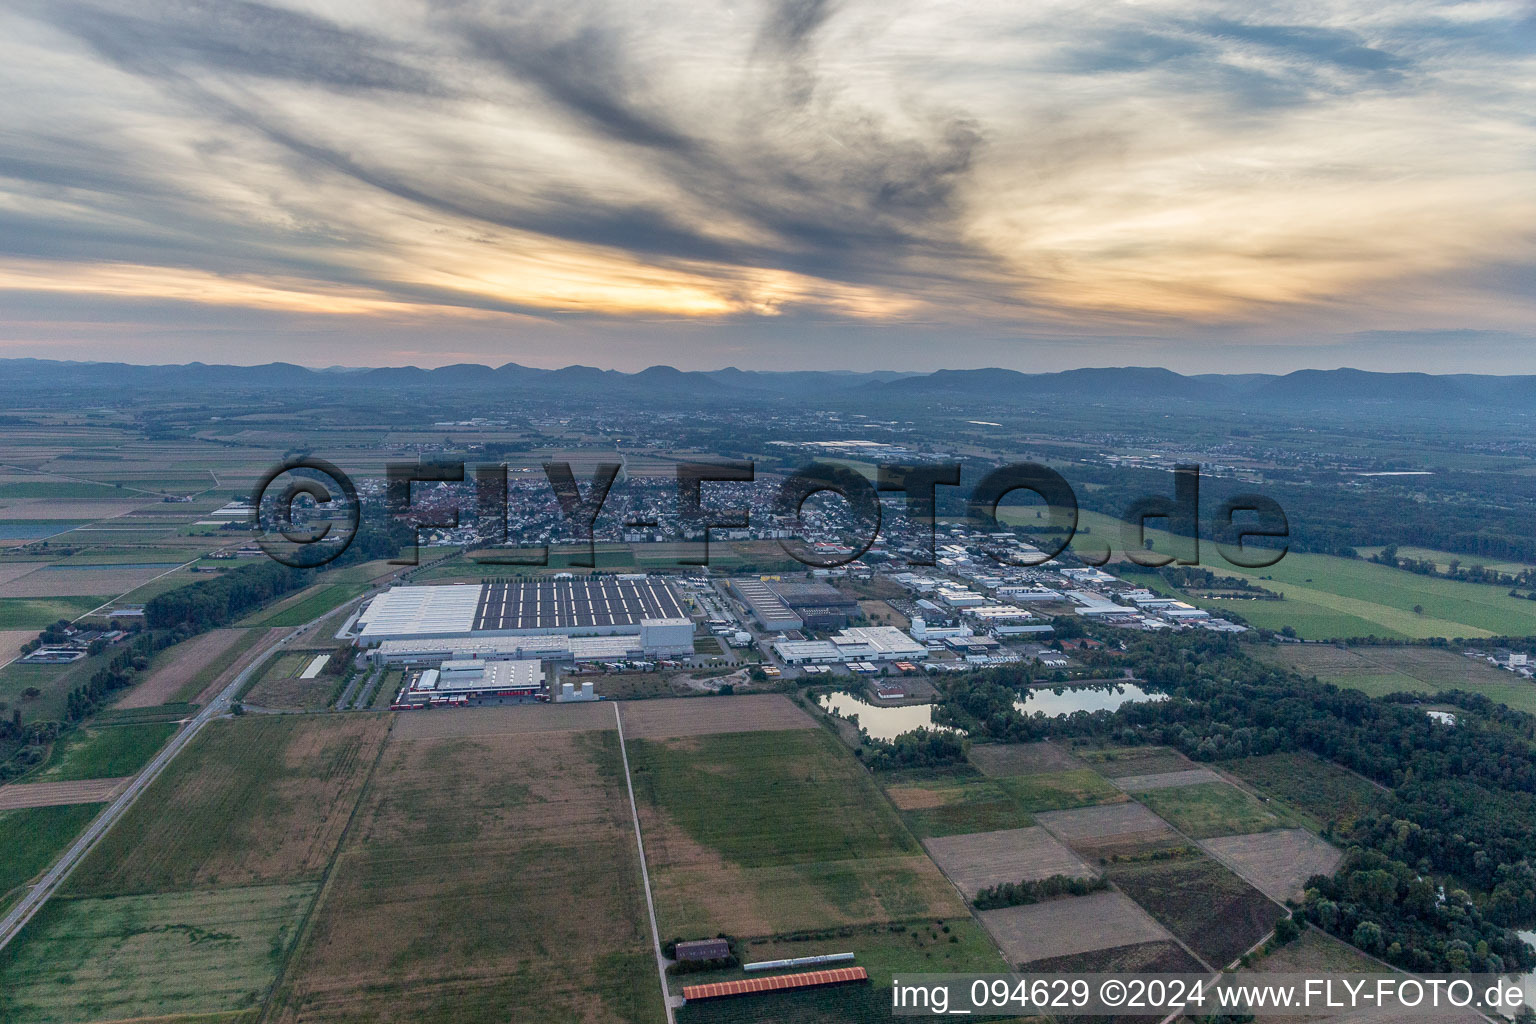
[(281, 687), (1277, 863), (1106, 831), (1203, 904), (694, 716), (1063, 927), (104, 752), (1381, 670), (1001, 760), (1323, 795), (311, 603), (1128, 762), (16, 796), (176, 669), (488, 877), (956, 806), (1327, 597), (154, 955), (33, 613), (32, 839), (985, 859), (1166, 780), (1211, 809), (1058, 791), (762, 833), (252, 800)]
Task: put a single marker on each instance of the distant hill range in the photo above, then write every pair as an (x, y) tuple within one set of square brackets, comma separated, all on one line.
[(1341, 390)]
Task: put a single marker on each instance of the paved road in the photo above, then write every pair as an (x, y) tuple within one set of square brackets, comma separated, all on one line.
[(50, 883)]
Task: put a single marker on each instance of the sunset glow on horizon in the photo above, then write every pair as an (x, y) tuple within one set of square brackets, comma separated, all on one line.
[(771, 185)]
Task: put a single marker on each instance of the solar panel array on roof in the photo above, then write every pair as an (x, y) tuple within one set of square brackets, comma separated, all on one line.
[(776, 983), (574, 604)]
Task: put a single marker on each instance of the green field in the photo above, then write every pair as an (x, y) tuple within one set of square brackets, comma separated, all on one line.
[(768, 798), (953, 806), (770, 832), (1323, 794), (312, 605), (1327, 596), (1056, 791), (1381, 670), (104, 753), (37, 612), (251, 800), (150, 956), (32, 838), (1212, 809)]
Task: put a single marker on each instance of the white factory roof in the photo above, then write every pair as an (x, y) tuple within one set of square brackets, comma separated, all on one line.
[(883, 640), (421, 611)]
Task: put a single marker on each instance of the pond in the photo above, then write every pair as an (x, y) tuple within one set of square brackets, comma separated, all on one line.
[(1054, 703), (881, 723)]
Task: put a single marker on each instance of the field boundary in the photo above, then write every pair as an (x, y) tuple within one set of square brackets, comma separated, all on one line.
[(645, 873)]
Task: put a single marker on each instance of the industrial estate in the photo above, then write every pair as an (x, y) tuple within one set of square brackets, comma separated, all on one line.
[(558, 777)]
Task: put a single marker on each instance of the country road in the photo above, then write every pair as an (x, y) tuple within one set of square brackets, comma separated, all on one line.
[(34, 899)]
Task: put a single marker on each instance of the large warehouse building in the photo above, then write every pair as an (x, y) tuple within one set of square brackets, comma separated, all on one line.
[(641, 607)]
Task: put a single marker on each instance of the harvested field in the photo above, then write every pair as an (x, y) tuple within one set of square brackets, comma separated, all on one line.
[(700, 716), (1058, 791), (1277, 863), (505, 720), (1081, 924), (1108, 829), (69, 581), (1004, 759), (11, 641), (947, 807), (52, 508), (55, 794), (150, 956), (1214, 912), (977, 862), (1166, 780), (1212, 809), (1123, 762), (178, 666), (488, 879), (1166, 957), (253, 799), (221, 672), (760, 833)]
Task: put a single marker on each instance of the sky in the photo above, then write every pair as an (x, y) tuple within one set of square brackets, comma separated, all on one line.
[(773, 184)]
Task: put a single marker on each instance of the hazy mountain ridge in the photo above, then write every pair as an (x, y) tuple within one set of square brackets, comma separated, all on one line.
[(1140, 385)]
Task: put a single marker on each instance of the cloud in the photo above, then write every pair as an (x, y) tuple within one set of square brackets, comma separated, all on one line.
[(1164, 169)]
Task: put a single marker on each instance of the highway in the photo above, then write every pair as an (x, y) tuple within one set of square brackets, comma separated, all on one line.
[(33, 901)]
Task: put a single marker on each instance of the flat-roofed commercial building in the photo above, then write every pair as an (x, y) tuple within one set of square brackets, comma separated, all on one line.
[(464, 682), (878, 643), (642, 606), (767, 607)]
